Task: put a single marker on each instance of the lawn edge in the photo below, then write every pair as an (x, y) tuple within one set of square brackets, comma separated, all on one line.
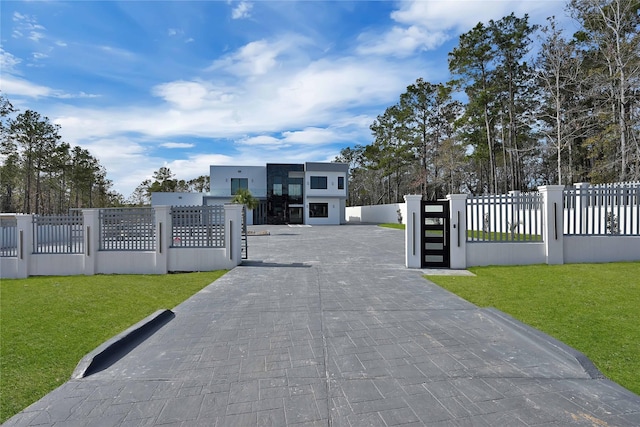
[(118, 346), (547, 341)]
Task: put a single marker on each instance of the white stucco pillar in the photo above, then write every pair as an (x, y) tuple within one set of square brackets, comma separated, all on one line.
[(163, 237), (233, 232), (91, 218), (24, 234), (553, 223), (458, 230), (412, 241)]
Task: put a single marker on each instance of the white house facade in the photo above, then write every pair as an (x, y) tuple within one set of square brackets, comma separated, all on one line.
[(312, 193)]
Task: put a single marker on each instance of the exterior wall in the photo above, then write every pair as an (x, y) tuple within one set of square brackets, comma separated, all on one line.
[(377, 214), (502, 253), (334, 214), (578, 249), (220, 180), (332, 184), (95, 261), (176, 199), (332, 195), (198, 259), (56, 264)]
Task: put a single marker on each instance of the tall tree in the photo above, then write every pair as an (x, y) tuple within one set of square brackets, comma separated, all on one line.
[(470, 64), (563, 111), (612, 38), (38, 138), (511, 37)]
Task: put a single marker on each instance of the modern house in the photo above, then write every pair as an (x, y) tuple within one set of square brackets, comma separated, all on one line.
[(311, 193)]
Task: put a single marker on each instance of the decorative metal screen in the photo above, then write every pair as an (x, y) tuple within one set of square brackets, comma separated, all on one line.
[(58, 234), (127, 229), (197, 226), (505, 218), (612, 209), (8, 237)]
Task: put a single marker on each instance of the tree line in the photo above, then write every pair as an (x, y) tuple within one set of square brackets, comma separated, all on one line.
[(510, 119), (41, 174)]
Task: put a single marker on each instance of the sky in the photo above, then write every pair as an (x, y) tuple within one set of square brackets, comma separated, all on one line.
[(189, 84)]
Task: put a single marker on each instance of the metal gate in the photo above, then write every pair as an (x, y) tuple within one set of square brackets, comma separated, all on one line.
[(435, 234)]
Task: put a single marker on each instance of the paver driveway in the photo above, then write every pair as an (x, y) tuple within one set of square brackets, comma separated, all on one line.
[(324, 326)]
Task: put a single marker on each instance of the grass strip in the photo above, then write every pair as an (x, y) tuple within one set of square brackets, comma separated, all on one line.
[(392, 225), (593, 308), (47, 324)]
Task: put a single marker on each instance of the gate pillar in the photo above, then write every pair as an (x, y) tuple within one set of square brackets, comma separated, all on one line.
[(413, 229), (458, 230)]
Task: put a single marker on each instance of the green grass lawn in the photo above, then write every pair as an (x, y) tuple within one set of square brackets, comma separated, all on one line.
[(594, 308), (392, 225), (47, 324)]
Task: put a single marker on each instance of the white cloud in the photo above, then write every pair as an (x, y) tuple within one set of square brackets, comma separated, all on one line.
[(261, 140), (242, 10), (425, 25), (401, 41), (11, 85), (177, 145), (27, 24), (252, 59), (8, 62)]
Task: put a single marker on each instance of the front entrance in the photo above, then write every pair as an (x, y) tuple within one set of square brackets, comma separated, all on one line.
[(295, 215), (435, 234)]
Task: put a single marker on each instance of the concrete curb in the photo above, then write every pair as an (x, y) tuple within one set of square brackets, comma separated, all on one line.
[(547, 341), (115, 348)]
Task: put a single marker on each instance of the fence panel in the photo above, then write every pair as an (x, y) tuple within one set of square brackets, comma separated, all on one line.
[(58, 234), (515, 217), (8, 237), (127, 229), (197, 226), (600, 210)]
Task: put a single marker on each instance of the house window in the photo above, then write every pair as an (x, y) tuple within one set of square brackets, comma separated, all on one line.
[(341, 183), (239, 183), (318, 210), (319, 182)]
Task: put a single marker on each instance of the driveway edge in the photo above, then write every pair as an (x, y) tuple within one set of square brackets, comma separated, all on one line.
[(115, 348)]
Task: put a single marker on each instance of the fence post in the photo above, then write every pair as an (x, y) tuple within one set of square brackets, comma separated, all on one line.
[(91, 219), (24, 236), (458, 230), (553, 223), (163, 237), (582, 206), (412, 241), (233, 232)]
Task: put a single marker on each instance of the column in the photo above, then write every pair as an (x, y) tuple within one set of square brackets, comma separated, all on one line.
[(163, 237), (413, 228), (24, 235), (91, 218), (458, 230), (233, 232), (553, 222)]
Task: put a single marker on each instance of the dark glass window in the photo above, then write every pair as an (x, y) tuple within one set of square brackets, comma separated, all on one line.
[(319, 182), (239, 183), (341, 183), (318, 210)]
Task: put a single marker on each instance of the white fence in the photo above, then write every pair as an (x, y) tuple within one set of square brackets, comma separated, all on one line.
[(553, 226), (122, 241), (377, 214)]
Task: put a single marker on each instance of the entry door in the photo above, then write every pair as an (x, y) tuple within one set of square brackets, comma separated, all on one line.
[(435, 234)]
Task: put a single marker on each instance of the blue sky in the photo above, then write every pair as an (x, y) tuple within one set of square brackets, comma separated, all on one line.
[(146, 84)]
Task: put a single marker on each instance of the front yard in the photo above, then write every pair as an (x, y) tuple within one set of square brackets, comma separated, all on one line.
[(594, 308), (47, 324)]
